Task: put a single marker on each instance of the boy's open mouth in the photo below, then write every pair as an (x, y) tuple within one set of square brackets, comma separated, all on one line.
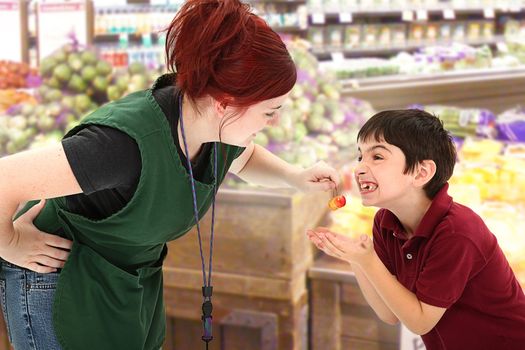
[(367, 187)]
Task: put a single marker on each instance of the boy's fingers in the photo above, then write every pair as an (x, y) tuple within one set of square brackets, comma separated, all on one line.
[(313, 233), (334, 242), (332, 246), (331, 250)]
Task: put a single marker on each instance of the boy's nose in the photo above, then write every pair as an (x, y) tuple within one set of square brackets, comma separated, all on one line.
[(360, 169)]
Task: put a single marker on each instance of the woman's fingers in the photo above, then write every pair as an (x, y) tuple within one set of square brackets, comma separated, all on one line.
[(49, 262), (55, 253), (40, 268), (57, 241)]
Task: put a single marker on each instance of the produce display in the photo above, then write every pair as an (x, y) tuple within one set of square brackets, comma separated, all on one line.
[(360, 68), (494, 168), (511, 125), (398, 35), (316, 122), (13, 97), (73, 82), (15, 75), (427, 60), (463, 122)]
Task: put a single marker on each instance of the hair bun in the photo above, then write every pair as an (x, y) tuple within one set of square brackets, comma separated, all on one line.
[(220, 48)]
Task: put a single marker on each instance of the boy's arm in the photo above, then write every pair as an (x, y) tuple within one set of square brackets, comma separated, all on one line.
[(417, 316), (373, 299)]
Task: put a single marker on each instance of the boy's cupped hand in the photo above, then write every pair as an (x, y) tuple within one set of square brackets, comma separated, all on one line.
[(352, 250)]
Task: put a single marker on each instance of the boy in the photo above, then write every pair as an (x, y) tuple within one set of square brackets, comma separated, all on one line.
[(433, 264)]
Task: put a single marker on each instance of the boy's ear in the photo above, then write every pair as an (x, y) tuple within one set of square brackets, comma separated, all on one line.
[(425, 172)]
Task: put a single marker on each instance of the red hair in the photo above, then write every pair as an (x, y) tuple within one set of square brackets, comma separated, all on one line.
[(219, 48)]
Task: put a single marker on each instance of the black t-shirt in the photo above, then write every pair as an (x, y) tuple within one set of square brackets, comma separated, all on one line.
[(106, 162)]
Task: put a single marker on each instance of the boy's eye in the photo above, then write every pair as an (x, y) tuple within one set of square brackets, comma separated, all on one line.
[(359, 158), (270, 115)]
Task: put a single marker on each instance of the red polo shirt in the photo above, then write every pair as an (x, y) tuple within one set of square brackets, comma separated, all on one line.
[(454, 261)]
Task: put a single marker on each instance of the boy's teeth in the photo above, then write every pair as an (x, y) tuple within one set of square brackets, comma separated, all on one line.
[(368, 186)]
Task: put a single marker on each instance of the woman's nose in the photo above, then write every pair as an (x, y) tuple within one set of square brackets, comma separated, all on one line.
[(274, 121)]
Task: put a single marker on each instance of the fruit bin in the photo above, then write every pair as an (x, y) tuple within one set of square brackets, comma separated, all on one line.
[(260, 260), (339, 314)]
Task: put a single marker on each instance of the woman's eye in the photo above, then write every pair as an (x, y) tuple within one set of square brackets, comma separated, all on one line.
[(377, 157), (270, 115), (359, 158)]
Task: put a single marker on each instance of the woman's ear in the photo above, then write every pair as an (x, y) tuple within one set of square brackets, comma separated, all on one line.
[(425, 172), (220, 108)]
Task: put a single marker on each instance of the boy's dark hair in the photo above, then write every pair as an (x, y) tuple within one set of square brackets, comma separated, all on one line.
[(420, 135)]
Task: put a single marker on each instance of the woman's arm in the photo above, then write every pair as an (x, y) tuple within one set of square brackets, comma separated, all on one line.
[(259, 166), (35, 174)]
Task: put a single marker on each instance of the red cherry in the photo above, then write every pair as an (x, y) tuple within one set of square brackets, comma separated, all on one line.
[(340, 201), (337, 202)]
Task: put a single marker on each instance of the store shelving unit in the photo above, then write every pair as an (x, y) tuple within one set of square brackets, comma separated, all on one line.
[(494, 89), (359, 31), (381, 51)]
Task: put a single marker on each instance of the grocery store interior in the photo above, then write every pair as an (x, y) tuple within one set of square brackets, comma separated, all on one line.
[(462, 60)]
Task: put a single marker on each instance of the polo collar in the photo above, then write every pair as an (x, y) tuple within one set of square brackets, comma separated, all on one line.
[(438, 209)]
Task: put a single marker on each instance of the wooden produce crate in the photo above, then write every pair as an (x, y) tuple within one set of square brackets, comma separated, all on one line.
[(239, 322), (260, 260), (258, 234), (340, 316)]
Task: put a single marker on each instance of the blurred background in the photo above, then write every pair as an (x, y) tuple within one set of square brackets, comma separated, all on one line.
[(463, 60)]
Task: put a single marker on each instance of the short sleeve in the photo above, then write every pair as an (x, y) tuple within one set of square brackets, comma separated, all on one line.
[(380, 245), (103, 158), (451, 262)]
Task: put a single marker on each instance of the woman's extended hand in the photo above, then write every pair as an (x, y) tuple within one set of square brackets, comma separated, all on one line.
[(33, 249), (319, 177)]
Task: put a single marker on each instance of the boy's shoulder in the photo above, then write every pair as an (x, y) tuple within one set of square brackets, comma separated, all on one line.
[(462, 219), (462, 224)]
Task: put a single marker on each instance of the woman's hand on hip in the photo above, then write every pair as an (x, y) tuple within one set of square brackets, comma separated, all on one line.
[(33, 249)]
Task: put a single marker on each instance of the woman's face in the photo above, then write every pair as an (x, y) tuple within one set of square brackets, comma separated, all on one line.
[(240, 130)]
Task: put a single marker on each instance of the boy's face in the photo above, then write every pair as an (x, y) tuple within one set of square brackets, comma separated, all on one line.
[(379, 173)]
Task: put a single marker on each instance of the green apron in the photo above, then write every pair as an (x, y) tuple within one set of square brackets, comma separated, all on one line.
[(110, 292)]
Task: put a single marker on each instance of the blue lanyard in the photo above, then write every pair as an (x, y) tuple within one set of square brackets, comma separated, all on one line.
[(207, 289)]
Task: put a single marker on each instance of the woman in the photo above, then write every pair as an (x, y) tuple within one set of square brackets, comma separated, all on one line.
[(83, 270)]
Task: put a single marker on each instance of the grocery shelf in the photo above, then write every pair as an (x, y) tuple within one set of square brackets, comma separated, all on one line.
[(133, 37), (419, 79), (289, 29), (291, 2), (129, 8), (389, 50), (495, 89), (434, 10)]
